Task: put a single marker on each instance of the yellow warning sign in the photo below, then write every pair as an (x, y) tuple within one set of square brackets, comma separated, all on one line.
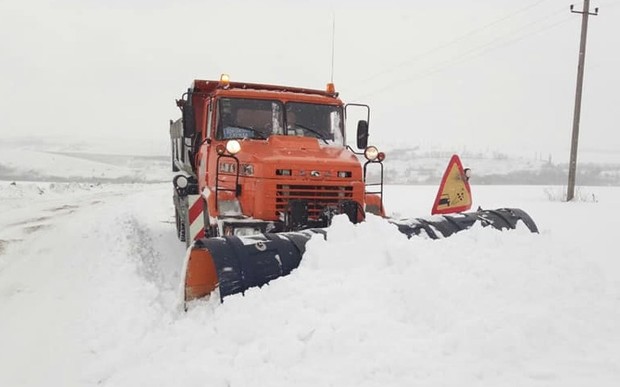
[(454, 194)]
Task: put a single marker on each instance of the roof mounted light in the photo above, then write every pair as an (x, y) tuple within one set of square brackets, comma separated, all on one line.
[(331, 89), (233, 147), (371, 153), (224, 81)]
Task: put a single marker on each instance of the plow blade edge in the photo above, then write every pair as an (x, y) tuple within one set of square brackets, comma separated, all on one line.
[(443, 226)]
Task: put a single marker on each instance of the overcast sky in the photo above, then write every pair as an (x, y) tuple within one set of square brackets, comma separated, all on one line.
[(496, 74)]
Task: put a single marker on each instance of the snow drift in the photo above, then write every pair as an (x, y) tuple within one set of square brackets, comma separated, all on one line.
[(91, 298)]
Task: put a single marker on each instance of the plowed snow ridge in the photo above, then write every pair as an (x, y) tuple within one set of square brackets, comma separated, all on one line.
[(90, 298)]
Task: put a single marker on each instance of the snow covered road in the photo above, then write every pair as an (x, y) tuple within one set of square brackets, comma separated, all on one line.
[(89, 277), (74, 256)]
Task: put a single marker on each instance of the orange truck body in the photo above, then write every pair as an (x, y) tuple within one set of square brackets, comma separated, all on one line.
[(273, 169)]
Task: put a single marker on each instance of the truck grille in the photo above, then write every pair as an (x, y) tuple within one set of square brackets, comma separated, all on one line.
[(317, 196)]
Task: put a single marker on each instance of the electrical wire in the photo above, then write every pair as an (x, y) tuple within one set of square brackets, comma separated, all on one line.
[(477, 51), (452, 42)]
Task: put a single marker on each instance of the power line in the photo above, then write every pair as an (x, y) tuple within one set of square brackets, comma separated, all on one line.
[(468, 55), (453, 41)]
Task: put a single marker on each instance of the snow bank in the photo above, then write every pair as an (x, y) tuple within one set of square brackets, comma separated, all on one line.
[(366, 307)]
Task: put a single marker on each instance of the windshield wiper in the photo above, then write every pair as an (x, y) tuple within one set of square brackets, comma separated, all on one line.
[(313, 131)]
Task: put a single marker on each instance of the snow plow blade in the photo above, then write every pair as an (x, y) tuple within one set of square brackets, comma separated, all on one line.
[(230, 265), (443, 226)]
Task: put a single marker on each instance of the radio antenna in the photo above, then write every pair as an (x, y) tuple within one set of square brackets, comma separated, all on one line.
[(333, 41)]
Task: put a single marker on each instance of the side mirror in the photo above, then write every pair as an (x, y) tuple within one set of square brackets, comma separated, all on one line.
[(362, 134), (189, 121)]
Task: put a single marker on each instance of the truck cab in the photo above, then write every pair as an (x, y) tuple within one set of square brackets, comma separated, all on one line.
[(256, 158)]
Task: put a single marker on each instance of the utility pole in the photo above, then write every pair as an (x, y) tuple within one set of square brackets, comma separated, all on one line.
[(572, 168)]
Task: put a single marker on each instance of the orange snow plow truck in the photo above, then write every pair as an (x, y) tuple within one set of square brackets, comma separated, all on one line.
[(262, 168)]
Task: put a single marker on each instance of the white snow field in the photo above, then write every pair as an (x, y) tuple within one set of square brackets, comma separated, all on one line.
[(89, 280)]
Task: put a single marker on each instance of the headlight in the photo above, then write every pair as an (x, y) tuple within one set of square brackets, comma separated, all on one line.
[(233, 147), (371, 153)]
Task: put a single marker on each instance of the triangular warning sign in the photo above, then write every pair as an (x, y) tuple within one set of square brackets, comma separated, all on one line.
[(454, 194)]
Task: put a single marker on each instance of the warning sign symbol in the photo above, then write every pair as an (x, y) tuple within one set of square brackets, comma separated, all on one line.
[(454, 194)]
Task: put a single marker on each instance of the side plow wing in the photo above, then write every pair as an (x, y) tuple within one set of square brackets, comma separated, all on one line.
[(230, 265), (444, 226)]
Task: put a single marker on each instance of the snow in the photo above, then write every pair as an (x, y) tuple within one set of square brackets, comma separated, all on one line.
[(89, 278), (90, 274), (52, 160)]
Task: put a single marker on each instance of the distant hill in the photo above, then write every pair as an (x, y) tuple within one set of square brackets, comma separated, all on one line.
[(419, 166), (141, 161), (60, 160)]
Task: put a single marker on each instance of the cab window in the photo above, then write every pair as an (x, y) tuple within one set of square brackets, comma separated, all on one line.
[(314, 120), (248, 118)]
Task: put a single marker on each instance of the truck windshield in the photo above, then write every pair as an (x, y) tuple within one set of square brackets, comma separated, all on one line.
[(314, 120), (248, 118)]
